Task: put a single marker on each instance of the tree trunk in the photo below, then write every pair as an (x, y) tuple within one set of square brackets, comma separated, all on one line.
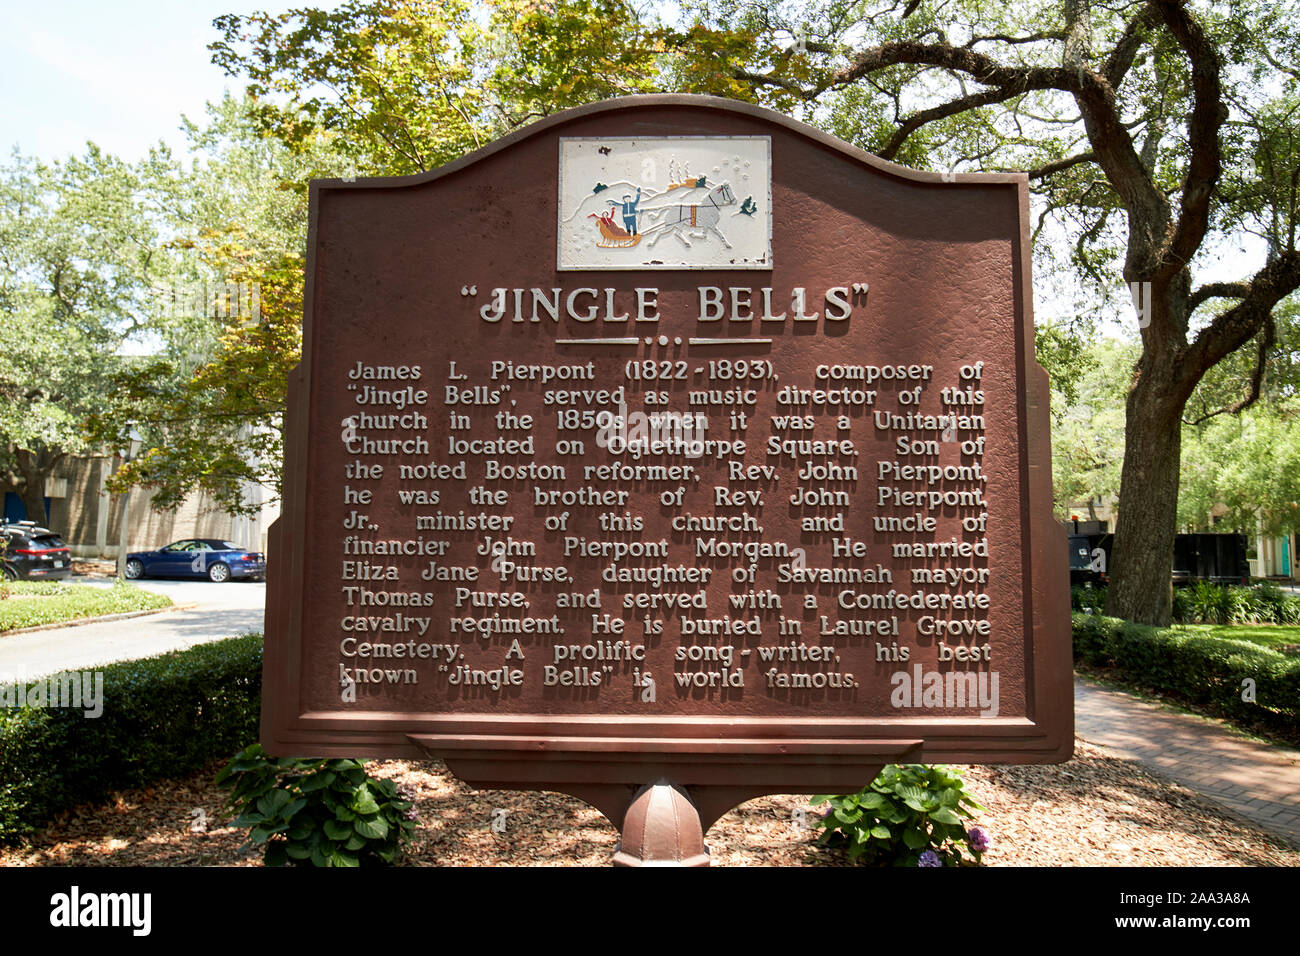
[(1142, 557), (35, 468)]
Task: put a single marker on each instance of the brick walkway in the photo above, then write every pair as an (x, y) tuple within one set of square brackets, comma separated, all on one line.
[(1255, 781)]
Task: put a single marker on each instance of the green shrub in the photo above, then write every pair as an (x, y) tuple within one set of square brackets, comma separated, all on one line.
[(1271, 602), (1210, 604), (162, 716), (1207, 603), (319, 812), (910, 815), (1087, 599), (1206, 670)]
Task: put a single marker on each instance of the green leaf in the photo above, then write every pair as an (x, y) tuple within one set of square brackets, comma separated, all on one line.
[(945, 815), (909, 792), (302, 828), (364, 802), (316, 781), (337, 831), (274, 802), (914, 838), (372, 828), (881, 833)]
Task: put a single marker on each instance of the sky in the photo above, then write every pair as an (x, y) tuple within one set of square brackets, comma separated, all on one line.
[(117, 72)]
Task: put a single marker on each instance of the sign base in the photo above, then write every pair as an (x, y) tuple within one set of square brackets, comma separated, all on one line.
[(662, 828), (710, 783)]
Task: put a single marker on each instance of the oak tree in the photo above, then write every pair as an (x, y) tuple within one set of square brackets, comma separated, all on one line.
[(1157, 136)]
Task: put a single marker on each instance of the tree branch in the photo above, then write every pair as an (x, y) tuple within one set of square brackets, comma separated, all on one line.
[(1003, 38), (1121, 57), (1238, 325), (766, 79), (1267, 337), (1217, 290), (1208, 114), (1078, 35), (917, 120), (1056, 166), (977, 65)]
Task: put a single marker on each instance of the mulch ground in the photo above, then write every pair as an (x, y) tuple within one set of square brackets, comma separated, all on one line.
[(1096, 810)]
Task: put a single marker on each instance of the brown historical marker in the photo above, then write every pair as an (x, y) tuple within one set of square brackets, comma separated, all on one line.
[(669, 441)]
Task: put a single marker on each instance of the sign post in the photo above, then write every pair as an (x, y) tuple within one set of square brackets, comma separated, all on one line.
[(669, 453)]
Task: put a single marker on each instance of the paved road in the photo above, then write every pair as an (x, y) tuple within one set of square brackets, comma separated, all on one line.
[(224, 610)]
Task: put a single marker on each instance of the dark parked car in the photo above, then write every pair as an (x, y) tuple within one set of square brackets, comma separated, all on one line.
[(208, 558), (32, 553)]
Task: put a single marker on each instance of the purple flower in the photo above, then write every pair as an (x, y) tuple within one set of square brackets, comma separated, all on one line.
[(929, 858), (978, 839)]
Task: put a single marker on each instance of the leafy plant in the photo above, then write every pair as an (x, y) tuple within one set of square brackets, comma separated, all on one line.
[(1289, 611), (1211, 604), (1270, 601), (319, 812), (910, 815), (1087, 599)]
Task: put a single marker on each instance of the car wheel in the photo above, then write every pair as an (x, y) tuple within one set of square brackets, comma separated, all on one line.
[(219, 572), (8, 573), (134, 569)]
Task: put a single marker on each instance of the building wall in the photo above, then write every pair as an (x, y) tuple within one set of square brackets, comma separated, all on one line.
[(89, 518)]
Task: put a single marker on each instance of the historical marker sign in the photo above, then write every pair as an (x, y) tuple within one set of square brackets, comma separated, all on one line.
[(669, 438)]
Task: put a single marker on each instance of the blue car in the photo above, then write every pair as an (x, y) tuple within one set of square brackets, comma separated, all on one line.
[(208, 558)]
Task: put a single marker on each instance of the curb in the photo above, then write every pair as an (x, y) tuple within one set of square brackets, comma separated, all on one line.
[(77, 622)]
